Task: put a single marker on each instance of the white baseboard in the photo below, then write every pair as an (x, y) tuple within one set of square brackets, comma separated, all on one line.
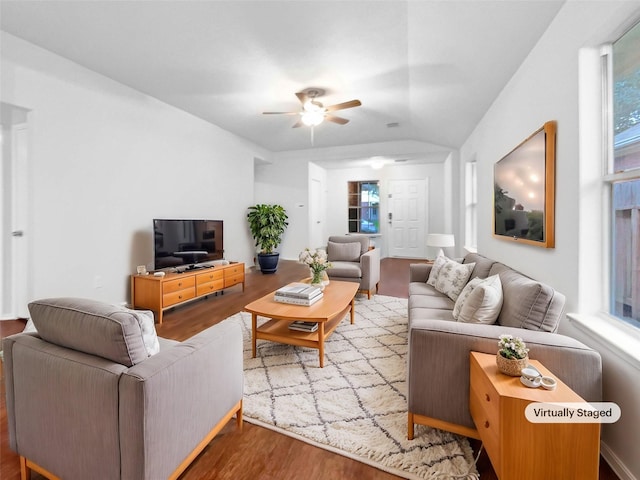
[(616, 465)]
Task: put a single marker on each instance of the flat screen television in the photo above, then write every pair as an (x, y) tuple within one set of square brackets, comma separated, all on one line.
[(187, 243)]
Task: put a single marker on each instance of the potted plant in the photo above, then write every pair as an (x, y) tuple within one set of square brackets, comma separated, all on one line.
[(513, 355), (267, 223)]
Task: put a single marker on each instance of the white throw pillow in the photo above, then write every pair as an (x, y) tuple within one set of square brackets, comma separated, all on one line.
[(30, 327), (452, 278), (464, 294), (437, 265), (484, 303), (147, 329)]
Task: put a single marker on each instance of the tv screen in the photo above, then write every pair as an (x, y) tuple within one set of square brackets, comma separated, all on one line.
[(187, 242), (524, 190)]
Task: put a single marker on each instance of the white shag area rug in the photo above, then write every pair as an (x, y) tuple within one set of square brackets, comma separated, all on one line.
[(356, 405)]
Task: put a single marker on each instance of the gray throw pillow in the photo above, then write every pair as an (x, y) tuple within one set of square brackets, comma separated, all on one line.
[(343, 252), (109, 331)]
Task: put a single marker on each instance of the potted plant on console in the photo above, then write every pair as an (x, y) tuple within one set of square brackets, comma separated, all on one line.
[(267, 223)]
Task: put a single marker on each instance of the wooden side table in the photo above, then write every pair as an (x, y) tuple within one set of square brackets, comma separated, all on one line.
[(522, 450)]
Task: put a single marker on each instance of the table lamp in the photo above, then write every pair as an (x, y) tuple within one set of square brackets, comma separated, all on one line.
[(441, 240)]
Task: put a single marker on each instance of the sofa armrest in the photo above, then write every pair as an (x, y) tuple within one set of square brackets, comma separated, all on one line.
[(438, 372), (419, 272), (58, 400), (171, 401), (370, 266)]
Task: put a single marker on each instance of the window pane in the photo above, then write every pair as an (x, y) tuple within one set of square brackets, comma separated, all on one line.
[(625, 295), (626, 101), (363, 207)]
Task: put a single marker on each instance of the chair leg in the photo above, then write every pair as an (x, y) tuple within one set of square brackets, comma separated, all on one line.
[(25, 472), (239, 420), (410, 426)]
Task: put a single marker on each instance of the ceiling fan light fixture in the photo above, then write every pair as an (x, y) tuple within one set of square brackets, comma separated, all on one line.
[(312, 118), (377, 162)]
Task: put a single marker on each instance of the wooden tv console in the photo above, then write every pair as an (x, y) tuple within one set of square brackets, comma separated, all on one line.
[(161, 293)]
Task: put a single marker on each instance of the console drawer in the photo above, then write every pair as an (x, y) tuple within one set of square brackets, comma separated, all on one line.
[(209, 276), (232, 280), (178, 284), (484, 406), (180, 296), (209, 287), (234, 269)]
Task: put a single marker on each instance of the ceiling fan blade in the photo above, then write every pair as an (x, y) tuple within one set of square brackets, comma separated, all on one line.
[(342, 106), (280, 113), (302, 97), (334, 119), (298, 124)]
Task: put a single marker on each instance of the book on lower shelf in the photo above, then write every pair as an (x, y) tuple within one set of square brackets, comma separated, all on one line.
[(297, 301), (304, 326), (299, 290)]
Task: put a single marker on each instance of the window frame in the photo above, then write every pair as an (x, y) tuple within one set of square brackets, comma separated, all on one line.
[(355, 210), (471, 205), (610, 178)]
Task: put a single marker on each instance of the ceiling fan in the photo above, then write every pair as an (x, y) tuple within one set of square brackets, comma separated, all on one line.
[(313, 113)]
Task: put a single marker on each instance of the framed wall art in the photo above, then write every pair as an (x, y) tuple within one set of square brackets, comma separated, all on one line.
[(524, 190)]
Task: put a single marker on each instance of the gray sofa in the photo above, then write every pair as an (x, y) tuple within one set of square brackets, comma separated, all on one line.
[(95, 394), (439, 346)]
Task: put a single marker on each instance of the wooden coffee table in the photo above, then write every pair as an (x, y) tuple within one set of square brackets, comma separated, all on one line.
[(338, 299)]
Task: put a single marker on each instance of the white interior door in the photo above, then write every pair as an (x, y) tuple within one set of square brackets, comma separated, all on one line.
[(316, 214), (19, 200), (407, 218), (14, 271)]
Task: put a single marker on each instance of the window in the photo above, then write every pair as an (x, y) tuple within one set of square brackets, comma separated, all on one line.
[(624, 178), (364, 207), (471, 205)]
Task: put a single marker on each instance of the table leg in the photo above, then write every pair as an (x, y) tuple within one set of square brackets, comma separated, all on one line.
[(353, 310), (321, 342), (254, 327)]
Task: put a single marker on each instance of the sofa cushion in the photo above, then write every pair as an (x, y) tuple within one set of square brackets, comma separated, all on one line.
[(483, 265), (528, 303), (419, 316), (437, 302), (421, 288), (96, 328), (484, 303), (343, 252), (344, 270), (452, 278)]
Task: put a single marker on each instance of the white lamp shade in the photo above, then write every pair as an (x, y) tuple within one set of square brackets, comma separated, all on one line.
[(440, 240)]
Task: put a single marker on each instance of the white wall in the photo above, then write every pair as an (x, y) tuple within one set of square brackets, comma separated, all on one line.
[(105, 160), (337, 181), (546, 88), (286, 182)]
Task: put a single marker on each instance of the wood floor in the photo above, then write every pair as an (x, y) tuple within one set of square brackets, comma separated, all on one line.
[(255, 452)]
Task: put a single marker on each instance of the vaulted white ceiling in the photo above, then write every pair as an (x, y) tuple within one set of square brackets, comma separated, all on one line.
[(433, 67)]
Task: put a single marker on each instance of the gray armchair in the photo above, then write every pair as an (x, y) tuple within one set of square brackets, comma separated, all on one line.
[(89, 397), (353, 261)]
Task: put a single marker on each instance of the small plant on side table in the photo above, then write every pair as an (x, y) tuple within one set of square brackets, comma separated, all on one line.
[(513, 355)]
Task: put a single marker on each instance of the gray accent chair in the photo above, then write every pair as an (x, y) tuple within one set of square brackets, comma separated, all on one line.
[(352, 261), (439, 346), (86, 399)]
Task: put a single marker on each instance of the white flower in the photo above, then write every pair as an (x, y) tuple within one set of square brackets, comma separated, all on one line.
[(316, 259)]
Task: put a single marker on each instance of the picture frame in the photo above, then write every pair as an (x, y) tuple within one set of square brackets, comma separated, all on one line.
[(524, 190)]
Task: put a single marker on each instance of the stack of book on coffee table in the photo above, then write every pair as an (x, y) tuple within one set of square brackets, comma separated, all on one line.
[(298, 294), (303, 326)]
